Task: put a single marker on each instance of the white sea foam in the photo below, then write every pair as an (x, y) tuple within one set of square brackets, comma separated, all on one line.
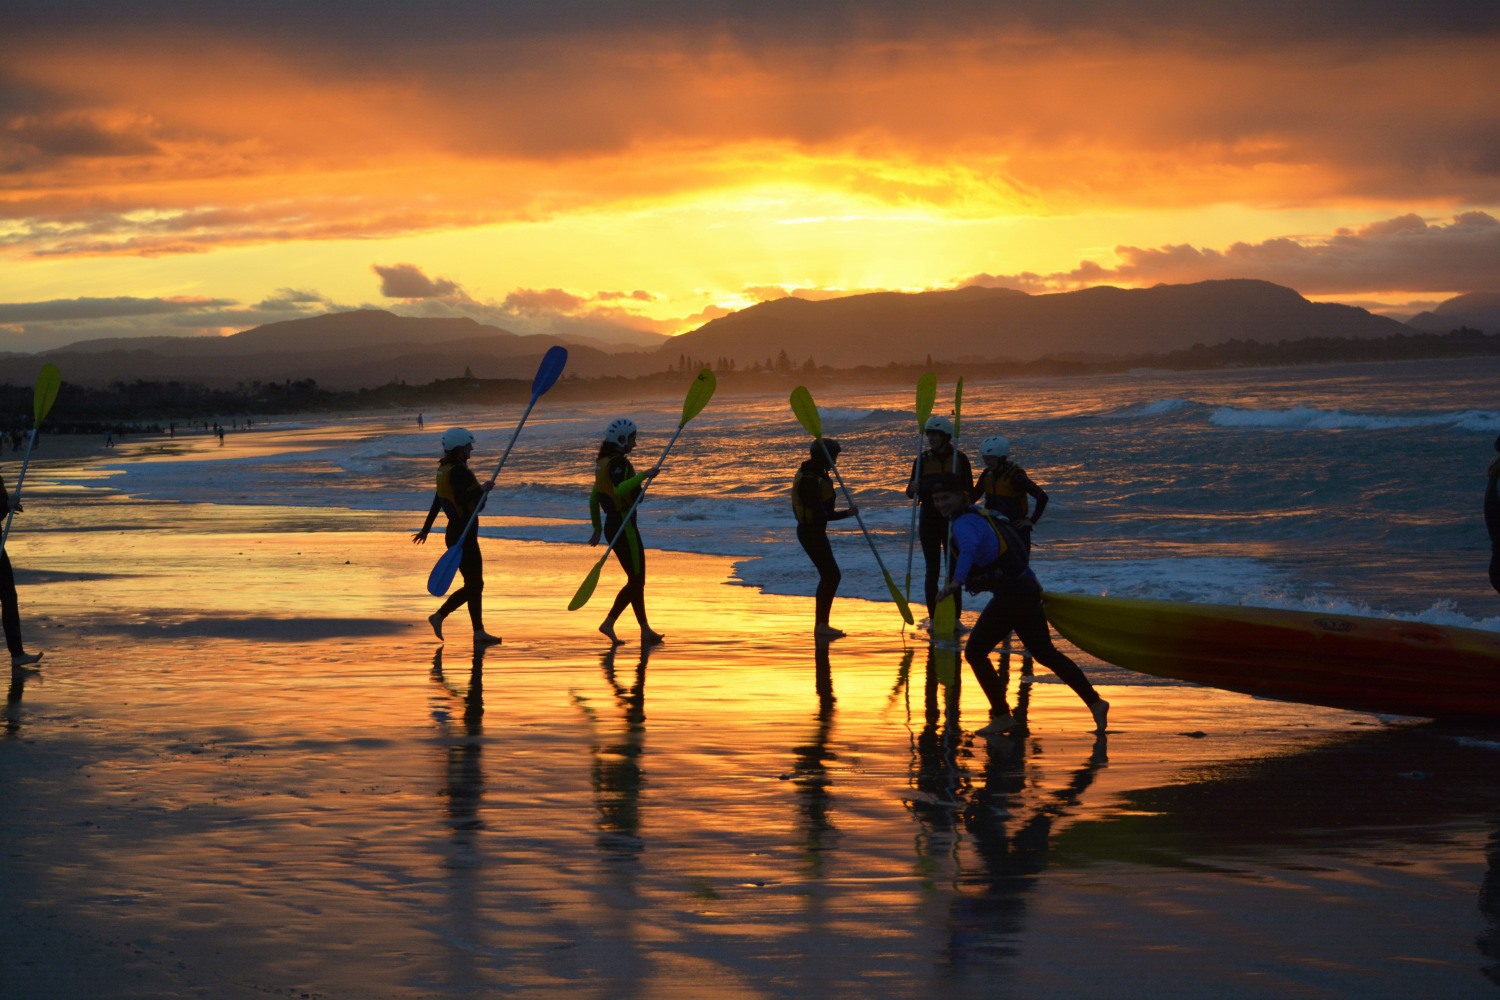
[(1313, 418)]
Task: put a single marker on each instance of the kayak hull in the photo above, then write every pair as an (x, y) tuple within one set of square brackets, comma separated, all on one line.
[(1340, 661)]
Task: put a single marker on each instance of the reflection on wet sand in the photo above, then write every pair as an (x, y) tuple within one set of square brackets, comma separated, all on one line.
[(18, 678), (810, 772), (462, 791)]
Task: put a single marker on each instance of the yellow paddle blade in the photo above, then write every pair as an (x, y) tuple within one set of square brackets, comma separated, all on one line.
[(958, 406), (896, 594), (945, 663), (945, 618), (586, 588), (48, 381), (926, 396), (807, 411)]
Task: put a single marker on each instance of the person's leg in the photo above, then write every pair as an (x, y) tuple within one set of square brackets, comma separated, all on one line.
[(472, 568), (815, 544), (10, 608), (1033, 631), (1495, 570), (990, 630), (932, 531)]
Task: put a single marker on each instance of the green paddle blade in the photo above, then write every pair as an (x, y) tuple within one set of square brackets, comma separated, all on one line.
[(958, 406), (945, 618), (698, 395), (48, 381), (926, 396), (586, 588), (807, 411)]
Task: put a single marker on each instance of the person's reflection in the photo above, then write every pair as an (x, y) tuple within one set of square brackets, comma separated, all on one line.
[(616, 771), (1010, 819), (18, 678), (1489, 907), (810, 770), (463, 790), (937, 781)]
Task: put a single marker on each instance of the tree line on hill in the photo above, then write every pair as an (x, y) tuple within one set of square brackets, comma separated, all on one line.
[(143, 404)]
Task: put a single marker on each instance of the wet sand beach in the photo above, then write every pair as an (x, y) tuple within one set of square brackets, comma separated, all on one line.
[(245, 768)]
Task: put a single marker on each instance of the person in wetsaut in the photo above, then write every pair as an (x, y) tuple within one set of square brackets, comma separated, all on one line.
[(1492, 518), (1005, 487), (940, 458), (616, 486), (10, 602), (813, 502), (991, 555), (459, 494)]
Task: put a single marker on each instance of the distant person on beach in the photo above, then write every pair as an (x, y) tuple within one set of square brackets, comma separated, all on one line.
[(939, 459), (616, 486), (1492, 518), (109, 437), (813, 501), (459, 494), (1004, 486), (10, 603), (420, 423), (991, 555)]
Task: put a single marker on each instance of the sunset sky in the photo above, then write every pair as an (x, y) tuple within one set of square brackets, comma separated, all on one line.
[(582, 166)]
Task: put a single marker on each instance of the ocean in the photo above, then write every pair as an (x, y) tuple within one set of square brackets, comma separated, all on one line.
[(1353, 488)]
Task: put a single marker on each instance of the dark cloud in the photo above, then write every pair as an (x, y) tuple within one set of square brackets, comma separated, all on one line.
[(58, 310), (1406, 253), (406, 281)]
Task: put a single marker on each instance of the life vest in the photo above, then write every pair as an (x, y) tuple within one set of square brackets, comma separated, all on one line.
[(605, 486), (1013, 562), (806, 514), (933, 465), (1003, 493), (457, 490)]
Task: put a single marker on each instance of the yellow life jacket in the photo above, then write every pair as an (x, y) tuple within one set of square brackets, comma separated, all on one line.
[(825, 494)]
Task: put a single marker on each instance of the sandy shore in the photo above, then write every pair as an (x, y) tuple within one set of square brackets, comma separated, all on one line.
[(245, 768)]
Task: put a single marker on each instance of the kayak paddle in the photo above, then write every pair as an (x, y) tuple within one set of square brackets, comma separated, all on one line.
[(48, 381), (698, 395), (926, 396), (945, 615), (807, 415), (547, 374)]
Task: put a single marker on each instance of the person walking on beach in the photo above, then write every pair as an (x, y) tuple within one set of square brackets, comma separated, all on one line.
[(459, 493), (813, 503), (991, 555), (940, 458), (1004, 486), (616, 486), (1492, 518), (10, 603)]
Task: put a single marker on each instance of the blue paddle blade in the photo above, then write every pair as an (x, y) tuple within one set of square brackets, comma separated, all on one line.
[(443, 571), (549, 371)]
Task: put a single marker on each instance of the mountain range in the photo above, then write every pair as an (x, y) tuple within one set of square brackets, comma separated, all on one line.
[(369, 348)]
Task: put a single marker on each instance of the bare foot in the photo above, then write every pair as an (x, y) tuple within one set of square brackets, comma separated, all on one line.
[(436, 621), (829, 632), (485, 639), (22, 659), (1100, 710), (999, 723), (608, 629), (650, 638)]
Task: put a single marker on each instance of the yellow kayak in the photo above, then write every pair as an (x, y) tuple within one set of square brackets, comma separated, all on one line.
[(1341, 661)]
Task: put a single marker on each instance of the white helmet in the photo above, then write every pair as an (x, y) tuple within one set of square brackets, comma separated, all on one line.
[(937, 423), (996, 446), (619, 431), (456, 437)]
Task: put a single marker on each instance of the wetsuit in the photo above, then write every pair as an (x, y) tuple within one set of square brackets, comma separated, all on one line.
[(991, 555), (932, 527), (616, 485), (10, 604), (1005, 489), (813, 503), (1492, 521), (458, 494)]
